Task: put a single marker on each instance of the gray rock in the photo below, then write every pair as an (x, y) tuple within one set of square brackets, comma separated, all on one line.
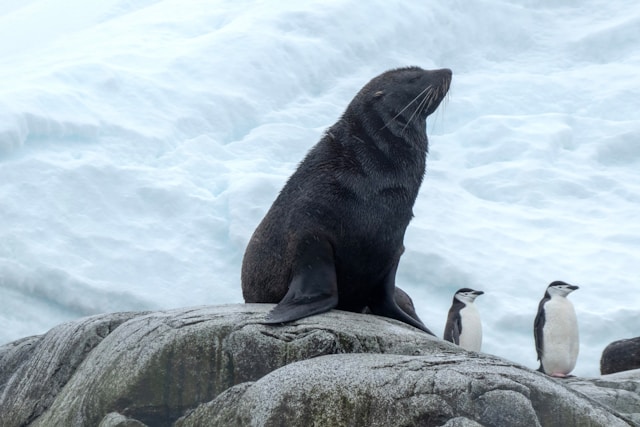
[(13, 355), (113, 419), (38, 367), (221, 366), (386, 389), (622, 355), (223, 408), (155, 367), (461, 422), (620, 392)]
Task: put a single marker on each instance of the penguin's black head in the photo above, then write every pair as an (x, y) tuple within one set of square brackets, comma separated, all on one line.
[(560, 288), (466, 295)]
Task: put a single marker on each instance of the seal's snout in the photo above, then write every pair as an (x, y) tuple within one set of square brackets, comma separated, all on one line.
[(448, 74), (441, 78), (446, 79), (444, 73)]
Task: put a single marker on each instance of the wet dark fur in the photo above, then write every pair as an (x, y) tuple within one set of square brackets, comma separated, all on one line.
[(334, 235)]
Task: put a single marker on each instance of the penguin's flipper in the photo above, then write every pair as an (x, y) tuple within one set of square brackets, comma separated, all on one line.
[(538, 326), (457, 329), (453, 327)]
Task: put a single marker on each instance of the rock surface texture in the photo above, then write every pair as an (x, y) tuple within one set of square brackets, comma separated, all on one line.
[(620, 392), (219, 365)]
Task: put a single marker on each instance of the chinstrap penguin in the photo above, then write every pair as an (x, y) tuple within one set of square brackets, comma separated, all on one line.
[(555, 330), (464, 327)]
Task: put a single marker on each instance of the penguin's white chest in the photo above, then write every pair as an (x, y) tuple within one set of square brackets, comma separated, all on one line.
[(471, 335), (560, 337)]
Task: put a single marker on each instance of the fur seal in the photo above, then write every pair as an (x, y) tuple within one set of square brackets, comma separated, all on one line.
[(334, 235)]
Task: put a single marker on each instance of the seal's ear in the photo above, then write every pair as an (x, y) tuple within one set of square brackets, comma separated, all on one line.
[(378, 94)]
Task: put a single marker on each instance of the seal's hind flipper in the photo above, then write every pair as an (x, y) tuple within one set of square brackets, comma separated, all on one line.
[(383, 302), (389, 308), (313, 288)]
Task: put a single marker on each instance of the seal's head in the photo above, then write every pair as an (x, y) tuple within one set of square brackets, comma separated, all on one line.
[(404, 96)]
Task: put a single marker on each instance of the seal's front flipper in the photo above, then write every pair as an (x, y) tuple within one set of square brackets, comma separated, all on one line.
[(313, 288)]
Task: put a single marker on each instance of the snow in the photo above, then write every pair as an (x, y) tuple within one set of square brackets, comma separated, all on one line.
[(142, 141)]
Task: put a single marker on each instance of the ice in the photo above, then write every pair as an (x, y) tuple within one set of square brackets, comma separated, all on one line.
[(141, 142)]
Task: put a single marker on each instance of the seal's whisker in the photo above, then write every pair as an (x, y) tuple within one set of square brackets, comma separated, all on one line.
[(432, 96), (425, 103), (417, 108), (444, 89), (407, 106), (429, 99), (420, 107)]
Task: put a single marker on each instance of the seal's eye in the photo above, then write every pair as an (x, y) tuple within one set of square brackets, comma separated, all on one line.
[(378, 94)]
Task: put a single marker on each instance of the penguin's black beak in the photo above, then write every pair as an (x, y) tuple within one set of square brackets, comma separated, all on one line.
[(573, 287), (478, 293)]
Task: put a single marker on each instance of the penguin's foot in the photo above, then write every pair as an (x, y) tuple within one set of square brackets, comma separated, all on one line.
[(560, 375)]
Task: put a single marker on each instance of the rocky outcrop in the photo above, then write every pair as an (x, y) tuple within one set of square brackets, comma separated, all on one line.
[(384, 390), (620, 392), (34, 370), (622, 355), (221, 366)]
